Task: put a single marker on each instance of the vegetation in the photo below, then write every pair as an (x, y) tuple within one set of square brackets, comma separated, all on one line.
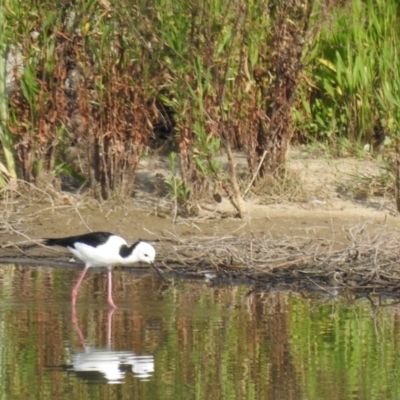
[(108, 81), (354, 75), (8, 171)]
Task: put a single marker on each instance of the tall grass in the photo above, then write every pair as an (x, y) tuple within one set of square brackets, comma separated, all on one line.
[(9, 170), (214, 74), (226, 63), (108, 77), (199, 39), (354, 75)]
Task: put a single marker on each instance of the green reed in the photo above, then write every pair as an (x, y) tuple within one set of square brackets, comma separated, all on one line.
[(8, 170), (354, 75), (110, 76)]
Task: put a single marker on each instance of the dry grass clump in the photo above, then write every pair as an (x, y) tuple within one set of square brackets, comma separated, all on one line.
[(367, 263), (289, 188), (366, 185)]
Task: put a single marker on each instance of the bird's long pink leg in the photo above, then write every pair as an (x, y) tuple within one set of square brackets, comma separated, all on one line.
[(110, 300), (109, 326), (78, 284)]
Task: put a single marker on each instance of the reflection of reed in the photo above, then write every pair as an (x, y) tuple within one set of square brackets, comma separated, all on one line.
[(216, 342), (106, 364)]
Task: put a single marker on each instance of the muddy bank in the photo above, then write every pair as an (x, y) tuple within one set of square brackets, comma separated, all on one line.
[(295, 250)]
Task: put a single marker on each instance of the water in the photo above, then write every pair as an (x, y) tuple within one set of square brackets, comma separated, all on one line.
[(190, 341)]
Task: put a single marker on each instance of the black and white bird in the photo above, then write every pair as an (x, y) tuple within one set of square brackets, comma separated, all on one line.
[(103, 249)]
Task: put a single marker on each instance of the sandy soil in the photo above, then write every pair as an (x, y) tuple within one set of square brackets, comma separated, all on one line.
[(321, 212)]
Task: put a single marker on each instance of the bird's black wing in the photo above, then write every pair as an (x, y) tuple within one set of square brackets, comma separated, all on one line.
[(93, 239)]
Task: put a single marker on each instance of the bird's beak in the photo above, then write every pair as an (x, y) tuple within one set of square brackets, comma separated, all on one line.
[(159, 272)]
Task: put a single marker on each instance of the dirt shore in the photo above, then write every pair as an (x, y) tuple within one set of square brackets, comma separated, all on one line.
[(322, 211)]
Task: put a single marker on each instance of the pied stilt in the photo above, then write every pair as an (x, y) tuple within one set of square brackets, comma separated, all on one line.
[(103, 249)]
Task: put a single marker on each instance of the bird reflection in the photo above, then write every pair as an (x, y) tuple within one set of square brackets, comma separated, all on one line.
[(99, 364), (104, 364)]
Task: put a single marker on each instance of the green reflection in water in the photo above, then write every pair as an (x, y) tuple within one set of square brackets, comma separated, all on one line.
[(199, 342), (351, 345)]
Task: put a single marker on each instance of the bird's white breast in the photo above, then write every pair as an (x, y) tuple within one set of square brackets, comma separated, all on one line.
[(104, 255)]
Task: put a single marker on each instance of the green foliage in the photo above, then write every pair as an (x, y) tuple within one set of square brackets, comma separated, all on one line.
[(30, 88), (211, 49), (353, 75), (8, 171), (112, 75)]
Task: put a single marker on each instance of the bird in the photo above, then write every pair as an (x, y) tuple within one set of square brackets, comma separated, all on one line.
[(104, 249)]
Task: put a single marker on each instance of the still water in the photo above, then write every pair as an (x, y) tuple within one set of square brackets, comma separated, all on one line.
[(191, 340)]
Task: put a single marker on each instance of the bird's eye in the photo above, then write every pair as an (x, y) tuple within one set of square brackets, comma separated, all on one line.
[(146, 255)]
